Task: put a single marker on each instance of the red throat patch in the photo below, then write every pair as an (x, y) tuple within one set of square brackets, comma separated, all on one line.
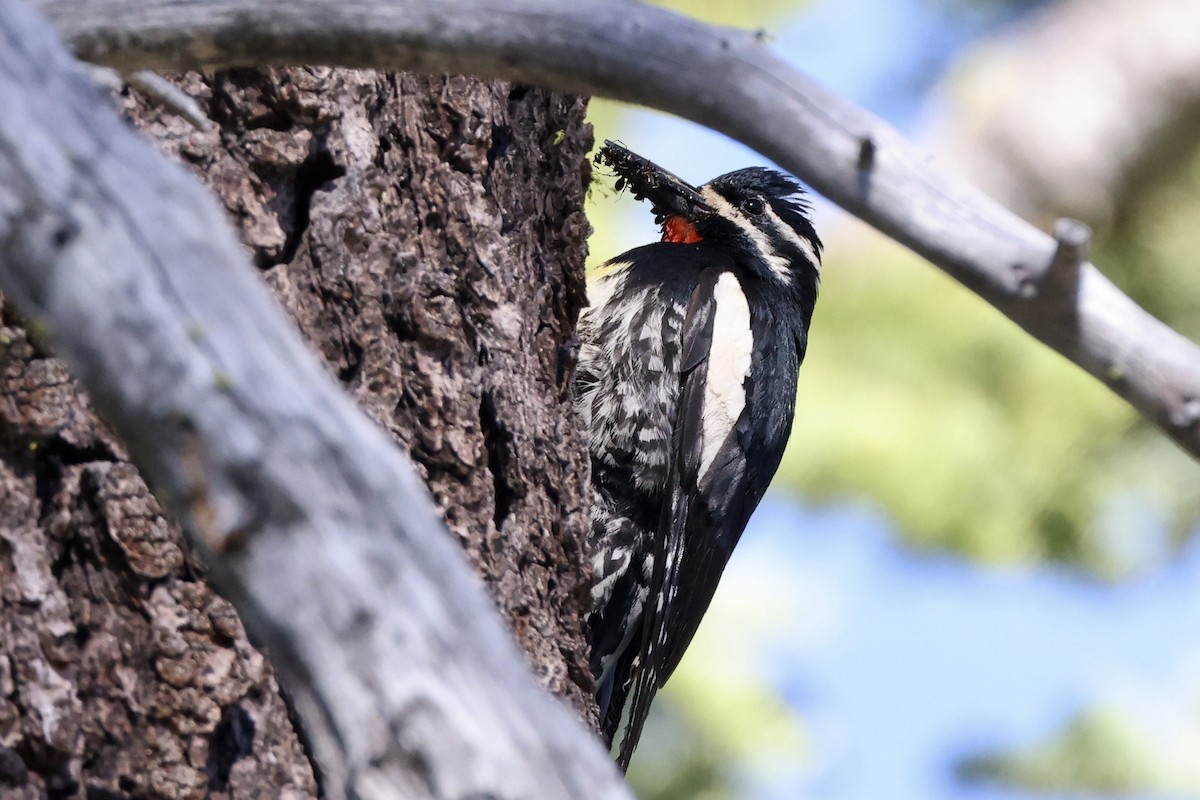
[(678, 230)]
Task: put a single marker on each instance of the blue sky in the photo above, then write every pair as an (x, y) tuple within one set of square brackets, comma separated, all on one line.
[(898, 663)]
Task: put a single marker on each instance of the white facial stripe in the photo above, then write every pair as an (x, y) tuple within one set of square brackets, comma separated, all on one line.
[(728, 366), (777, 263), (789, 233)]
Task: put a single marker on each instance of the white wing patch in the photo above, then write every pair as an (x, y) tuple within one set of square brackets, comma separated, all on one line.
[(728, 366)]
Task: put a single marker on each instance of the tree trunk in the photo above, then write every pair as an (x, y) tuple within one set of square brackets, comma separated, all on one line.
[(427, 235)]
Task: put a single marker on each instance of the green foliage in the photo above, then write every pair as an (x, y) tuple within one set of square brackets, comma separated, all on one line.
[(1151, 250), (919, 397), (1106, 751)]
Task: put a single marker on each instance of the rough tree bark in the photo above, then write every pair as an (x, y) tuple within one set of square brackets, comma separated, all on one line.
[(120, 671), (427, 236)]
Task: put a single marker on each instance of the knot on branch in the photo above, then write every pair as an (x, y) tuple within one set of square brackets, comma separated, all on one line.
[(1186, 413), (1058, 283), (865, 164), (1074, 243), (866, 153)]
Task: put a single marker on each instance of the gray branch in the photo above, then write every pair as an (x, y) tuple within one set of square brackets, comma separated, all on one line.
[(314, 522), (726, 79)]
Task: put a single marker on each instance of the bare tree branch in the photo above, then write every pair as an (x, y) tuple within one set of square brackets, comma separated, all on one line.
[(314, 523), (726, 79)]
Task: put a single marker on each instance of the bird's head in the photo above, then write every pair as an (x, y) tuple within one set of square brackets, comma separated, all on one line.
[(758, 216)]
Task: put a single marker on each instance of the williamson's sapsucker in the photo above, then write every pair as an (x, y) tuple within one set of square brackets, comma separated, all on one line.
[(689, 354)]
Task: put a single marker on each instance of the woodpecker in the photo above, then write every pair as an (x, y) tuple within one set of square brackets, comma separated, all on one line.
[(686, 384)]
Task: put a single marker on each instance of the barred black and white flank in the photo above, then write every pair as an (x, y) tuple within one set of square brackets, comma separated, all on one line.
[(689, 355)]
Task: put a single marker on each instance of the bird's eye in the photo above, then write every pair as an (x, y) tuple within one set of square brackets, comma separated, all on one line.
[(753, 206)]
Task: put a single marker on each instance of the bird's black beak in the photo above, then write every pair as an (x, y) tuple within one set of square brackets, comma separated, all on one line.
[(668, 195)]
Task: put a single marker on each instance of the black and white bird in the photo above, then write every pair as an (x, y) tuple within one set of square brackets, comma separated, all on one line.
[(689, 355)]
